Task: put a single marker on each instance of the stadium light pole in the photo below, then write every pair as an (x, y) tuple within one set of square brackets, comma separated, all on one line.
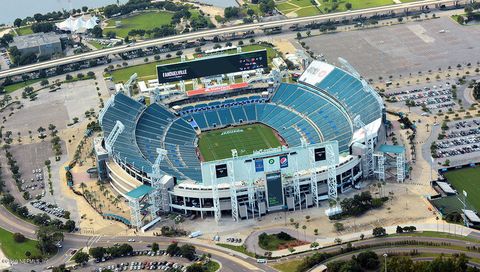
[(385, 255)]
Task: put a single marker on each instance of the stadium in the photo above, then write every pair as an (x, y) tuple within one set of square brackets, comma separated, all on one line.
[(241, 153)]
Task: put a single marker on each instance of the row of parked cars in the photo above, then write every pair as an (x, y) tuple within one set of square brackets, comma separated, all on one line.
[(145, 265), (48, 208), (462, 138)]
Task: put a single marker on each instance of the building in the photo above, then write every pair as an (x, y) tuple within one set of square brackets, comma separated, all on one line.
[(41, 44), (330, 121), (78, 24)]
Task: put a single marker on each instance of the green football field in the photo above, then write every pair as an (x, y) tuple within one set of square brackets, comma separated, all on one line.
[(217, 144), (467, 179)]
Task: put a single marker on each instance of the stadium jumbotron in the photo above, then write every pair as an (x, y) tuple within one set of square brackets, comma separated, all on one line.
[(244, 153)]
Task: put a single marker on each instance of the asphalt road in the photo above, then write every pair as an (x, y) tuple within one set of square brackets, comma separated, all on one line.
[(227, 30)]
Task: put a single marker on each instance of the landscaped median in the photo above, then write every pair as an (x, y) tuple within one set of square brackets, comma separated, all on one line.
[(18, 248)]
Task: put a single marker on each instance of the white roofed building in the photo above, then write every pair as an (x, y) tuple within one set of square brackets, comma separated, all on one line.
[(78, 24)]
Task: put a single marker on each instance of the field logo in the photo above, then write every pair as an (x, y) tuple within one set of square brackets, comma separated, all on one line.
[(283, 161), (232, 131)]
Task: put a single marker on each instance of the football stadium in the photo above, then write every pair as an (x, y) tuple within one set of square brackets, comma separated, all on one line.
[(239, 152)]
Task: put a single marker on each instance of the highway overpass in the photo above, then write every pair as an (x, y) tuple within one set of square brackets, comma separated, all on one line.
[(432, 4)]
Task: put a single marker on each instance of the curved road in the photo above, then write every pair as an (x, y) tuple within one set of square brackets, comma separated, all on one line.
[(231, 261), (227, 30)]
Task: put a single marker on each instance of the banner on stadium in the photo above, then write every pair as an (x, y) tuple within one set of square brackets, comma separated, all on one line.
[(259, 166), (217, 89), (283, 161)]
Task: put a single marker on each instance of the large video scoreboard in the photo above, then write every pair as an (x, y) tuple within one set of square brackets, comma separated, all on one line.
[(212, 66)]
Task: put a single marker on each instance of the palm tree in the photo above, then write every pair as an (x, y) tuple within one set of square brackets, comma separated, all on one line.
[(304, 227), (427, 125), (296, 225), (83, 186)]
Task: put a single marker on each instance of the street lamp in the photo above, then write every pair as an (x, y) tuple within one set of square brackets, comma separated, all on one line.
[(385, 255)]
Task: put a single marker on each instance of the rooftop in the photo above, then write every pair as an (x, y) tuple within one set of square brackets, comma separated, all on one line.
[(36, 39), (396, 149), (140, 191)]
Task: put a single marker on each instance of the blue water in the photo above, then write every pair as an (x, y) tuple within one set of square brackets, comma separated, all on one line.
[(12, 9)]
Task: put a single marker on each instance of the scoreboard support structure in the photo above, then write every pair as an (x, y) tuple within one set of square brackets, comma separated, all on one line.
[(233, 190), (331, 173), (216, 199)]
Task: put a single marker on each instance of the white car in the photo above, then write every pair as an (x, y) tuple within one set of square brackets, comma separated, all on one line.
[(131, 240)]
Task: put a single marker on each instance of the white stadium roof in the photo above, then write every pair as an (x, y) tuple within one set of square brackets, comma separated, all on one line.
[(78, 24)]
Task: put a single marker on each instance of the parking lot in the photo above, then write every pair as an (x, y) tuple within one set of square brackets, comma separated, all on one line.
[(461, 139), (142, 260), (432, 97), (401, 49), (31, 162)]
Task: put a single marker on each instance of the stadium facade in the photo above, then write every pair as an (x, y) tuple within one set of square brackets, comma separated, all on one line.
[(330, 121)]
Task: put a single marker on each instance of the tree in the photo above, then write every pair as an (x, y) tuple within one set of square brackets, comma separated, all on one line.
[(338, 226), (196, 267), (379, 231), (155, 247), (18, 237), (44, 82), (399, 229), (368, 260), (231, 12), (48, 237), (69, 225), (97, 31), (188, 251), (17, 22), (348, 5), (84, 9), (81, 257), (97, 252), (173, 249)]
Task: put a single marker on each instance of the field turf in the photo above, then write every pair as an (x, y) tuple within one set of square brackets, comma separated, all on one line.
[(467, 179), (217, 144)]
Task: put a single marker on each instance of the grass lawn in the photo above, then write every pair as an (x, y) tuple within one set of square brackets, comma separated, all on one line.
[(272, 242), (435, 234), (306, 8), (24, 30), (467, 179), (144, 71), (16, 86), (96, 44), (148, 71), (217, 144), (146, 21), (308, 11), (212, 266), (290, 266), (14, 250), (240, 249)]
